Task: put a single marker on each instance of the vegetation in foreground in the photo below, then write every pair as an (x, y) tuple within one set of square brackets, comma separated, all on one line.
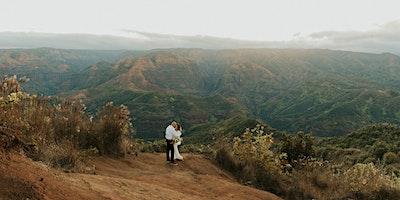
[(60, 132), (294, 166)]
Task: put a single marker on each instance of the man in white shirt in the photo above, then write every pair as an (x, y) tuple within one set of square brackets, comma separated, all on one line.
[(169, 132)]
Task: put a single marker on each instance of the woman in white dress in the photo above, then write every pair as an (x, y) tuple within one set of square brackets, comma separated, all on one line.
[(177, 141)]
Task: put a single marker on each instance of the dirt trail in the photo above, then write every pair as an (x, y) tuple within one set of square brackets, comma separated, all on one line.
[(146, 176)]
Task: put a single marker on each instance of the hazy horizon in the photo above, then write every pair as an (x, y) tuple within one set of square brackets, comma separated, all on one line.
[(365, 26)]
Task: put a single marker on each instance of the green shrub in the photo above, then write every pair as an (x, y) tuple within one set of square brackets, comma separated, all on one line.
[(379, 149), (252, 161), (254, 146), (297, 146), (158, 146), (197, 148), (390, 158)]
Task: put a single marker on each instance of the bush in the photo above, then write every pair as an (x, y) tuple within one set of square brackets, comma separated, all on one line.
[(251, 159), (268, 180), (158, 146), (113, 129), (366, 181), (255, 147), (197, 148), (226, 160), (320, 180), (297, 146), (390, 158), (63, 156), (56, 131), (381, 194), (250, 172), (379, 149)]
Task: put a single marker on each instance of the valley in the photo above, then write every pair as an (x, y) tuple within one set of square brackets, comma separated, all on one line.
[(321, 91)]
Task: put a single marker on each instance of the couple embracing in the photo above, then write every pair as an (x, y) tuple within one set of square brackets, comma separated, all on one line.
[(173, 138)]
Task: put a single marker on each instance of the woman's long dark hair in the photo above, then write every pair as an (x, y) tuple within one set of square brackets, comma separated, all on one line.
[(179, 127)]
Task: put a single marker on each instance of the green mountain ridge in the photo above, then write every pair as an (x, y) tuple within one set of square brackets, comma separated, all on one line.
[(322, 91), (52, 71)]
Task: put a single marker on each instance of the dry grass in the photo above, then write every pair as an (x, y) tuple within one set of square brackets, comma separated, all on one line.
[(56, 132)]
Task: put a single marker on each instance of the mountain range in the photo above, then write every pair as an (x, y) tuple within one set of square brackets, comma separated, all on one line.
[(326, 92), (382, 38)]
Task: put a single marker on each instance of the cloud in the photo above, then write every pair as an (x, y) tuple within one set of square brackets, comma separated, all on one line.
[(67, 41), (383, 38), (389, 31), (132, 40)]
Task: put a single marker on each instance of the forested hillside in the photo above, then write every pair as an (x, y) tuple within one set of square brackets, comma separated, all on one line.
[(323, 91)]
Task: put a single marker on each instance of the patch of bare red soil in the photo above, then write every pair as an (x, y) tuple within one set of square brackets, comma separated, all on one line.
[(146, 176)]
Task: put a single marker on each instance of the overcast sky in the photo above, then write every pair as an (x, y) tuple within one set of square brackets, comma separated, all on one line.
[(241, 19)]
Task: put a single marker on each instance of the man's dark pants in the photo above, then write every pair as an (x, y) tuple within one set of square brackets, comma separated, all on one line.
[(170, 148)]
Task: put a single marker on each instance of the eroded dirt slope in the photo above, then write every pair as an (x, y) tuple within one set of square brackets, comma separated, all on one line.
[(146, 176)]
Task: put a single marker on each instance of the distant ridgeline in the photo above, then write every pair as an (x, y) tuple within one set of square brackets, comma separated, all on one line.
[(321, 91)]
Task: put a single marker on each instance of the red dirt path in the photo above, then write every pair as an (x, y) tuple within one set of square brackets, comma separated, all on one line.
[(146, 176)]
